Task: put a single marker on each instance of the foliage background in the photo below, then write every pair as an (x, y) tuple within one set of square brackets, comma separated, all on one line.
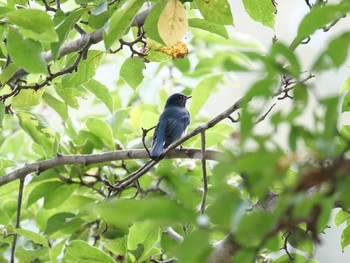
[(150, 96)]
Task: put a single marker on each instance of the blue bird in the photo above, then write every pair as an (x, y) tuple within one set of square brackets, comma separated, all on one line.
[(171, 125)]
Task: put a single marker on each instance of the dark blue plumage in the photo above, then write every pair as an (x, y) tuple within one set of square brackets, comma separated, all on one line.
[(172, 123)]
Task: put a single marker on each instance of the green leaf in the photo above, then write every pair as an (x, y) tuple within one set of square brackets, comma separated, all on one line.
[(345, 237), (35, 24), (335, 54), (102, 130), (27, 98), (151, 23), (59, 106), (346, 85), (2, 113), (70, 95), (131, 71), (146, 233), (201, 93), (64, 222), (261, 11), (37, 128), (101, 92), (278, 50), (216, 11), (57, 196), (159, 209), (25, 53), (41, 190), (341, 217), (27, 256), (120, 21), (79, 250), (318, 17), (7, 73), (208, 26), (297, 258), (4, 218), (195, 248), (64, 28), (86, 70), (35, 237), (346, 103), (299, 239)]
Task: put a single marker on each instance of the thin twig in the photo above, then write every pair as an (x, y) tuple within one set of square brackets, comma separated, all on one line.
[(18, 218), (264, 116), (204, 172), (144, 134)]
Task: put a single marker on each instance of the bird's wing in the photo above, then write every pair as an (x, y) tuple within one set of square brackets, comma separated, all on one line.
[(176, 126)]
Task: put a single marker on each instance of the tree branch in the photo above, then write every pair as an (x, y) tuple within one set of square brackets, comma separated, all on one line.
[(76, 45), (87, 159), (18, 218), (204, 172)]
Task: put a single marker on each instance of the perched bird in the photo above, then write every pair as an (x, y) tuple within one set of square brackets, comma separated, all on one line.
[(171, 125)]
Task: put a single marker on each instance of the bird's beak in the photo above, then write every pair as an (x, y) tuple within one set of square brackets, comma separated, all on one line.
[(188, 97)]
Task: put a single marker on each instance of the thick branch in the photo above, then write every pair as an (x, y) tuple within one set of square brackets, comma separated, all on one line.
[(76, 45), (86, 159)]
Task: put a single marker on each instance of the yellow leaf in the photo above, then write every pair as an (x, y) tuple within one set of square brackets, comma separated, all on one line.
[(172, 23)]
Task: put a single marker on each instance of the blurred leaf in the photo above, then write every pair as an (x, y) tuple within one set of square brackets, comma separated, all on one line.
[(261, 11), (299, 239), (120, 21), (244, 256), (172, 24), (66, 223), (346, 85), (335, 54), (202, 92), (318, 17), (102, 130), (278, 50), (27, 256), (160, 209), (216, 11), (35, 237), (25, 53), (27, 98), (131, 71), (82, 251), (195, 248), (101, 92), (145, 233), (262, 222), (136, 114), (346, 103), (297, 258), (7, 73), (208, 26), (2, 113), (59, 106), (4, 218), (35, 24)]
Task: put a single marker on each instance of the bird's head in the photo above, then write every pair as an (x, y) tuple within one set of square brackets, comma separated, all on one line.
[(177, 100)]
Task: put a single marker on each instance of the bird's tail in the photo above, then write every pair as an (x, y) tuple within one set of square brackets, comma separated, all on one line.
[(157, 149)]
